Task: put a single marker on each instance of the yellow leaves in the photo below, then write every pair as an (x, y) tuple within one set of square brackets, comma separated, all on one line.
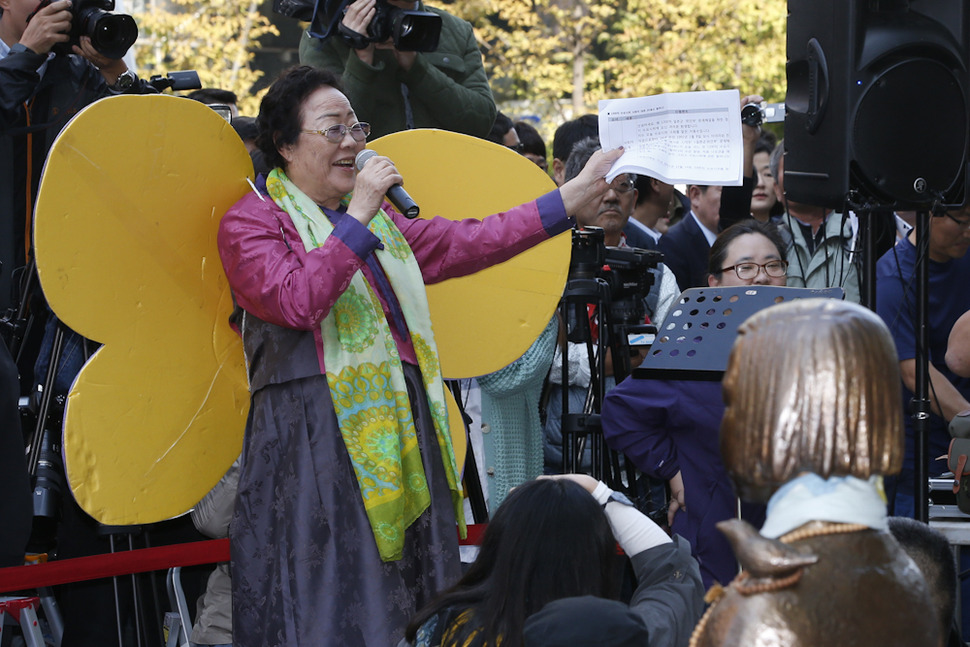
[(216, 38), (630, 47)]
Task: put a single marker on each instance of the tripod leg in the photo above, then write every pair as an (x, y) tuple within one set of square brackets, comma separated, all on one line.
[(473, 486)]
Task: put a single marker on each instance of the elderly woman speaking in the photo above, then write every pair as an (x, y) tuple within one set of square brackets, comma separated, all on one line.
[(345, 522)]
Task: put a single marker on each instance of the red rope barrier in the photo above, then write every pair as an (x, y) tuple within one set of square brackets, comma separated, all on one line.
[(475, 532), (141, 560)]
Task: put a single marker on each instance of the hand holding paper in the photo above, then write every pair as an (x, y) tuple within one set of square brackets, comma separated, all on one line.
[(684, 137)]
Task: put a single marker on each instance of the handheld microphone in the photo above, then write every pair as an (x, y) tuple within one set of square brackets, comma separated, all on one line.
[(396, 194)]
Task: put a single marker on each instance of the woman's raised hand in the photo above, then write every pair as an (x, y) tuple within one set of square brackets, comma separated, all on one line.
[(590, 184)]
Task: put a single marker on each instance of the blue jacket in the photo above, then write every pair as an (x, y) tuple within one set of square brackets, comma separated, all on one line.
[(666, 426)]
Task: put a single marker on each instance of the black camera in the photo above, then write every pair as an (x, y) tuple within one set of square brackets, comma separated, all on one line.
[(625, 271), (755, 114), (111, 34), (588, 253), (622, 274), (412, 31)]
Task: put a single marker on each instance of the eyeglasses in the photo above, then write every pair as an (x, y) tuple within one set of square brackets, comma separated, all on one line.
[(622, 185), (748, 271), (336, 134), (518, 148), (965, 224)]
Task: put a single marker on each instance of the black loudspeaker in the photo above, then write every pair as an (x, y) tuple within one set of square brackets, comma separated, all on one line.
[(877, 101)]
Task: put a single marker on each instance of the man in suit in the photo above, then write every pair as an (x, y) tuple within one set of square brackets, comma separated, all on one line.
[(653, 204), (686, 245), (636, 236)]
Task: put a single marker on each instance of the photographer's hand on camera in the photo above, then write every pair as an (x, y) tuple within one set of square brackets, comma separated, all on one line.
[(356, 18), (47, 27), (110, 68), (750, 134)]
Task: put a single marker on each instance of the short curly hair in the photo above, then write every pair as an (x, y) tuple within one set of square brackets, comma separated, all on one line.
[(280, 120)]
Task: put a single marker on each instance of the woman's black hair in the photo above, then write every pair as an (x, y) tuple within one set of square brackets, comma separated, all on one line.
[(644, 187), (548, 540), (719, 250), (279, 121), (766, 143)]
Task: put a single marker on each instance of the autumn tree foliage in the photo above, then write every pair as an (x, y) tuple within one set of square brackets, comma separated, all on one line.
[(213, 37), (577, 52)]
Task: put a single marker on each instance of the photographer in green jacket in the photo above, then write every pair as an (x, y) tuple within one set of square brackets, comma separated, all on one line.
[(395, 89)]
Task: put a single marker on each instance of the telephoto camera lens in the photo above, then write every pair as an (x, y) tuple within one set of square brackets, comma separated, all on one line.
[(111, 34)]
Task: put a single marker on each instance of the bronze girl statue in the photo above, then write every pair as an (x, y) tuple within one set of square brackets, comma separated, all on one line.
[(812, 424)]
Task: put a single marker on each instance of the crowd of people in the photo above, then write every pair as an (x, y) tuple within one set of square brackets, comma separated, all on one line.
[(346, 504)]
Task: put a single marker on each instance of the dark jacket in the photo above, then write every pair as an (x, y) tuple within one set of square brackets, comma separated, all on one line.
[(670, 426), (446, 88), (685, 250), (636, 237), (668, 599), (69, 84)]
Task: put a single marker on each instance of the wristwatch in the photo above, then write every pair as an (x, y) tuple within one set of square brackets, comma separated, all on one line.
[(124, 81)]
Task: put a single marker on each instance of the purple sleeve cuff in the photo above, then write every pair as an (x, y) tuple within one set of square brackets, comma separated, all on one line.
[(667, 469), (552, 213), (356, 236)]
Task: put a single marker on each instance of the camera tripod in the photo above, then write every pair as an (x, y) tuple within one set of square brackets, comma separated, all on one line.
[(601, 308)]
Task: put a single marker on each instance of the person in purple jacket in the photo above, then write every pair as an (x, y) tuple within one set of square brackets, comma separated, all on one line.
[(345, 521), (670, 428)]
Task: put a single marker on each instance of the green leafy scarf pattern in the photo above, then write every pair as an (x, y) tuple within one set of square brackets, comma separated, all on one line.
[(366, 380)]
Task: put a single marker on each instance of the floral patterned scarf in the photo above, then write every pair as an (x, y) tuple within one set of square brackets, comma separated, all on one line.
[(366, 379)]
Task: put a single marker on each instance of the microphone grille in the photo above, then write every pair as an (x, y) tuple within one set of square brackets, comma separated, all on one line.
[(362, 158)]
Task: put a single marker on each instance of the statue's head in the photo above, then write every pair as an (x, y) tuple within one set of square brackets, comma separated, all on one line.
[(811, 386)]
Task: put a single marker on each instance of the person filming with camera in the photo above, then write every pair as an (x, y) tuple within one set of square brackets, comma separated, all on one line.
[(49, 70), (435, 80), (55, 59)]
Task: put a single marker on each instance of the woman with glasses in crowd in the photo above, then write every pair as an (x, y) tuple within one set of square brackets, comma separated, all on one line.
[(670, 428), (349, 492)]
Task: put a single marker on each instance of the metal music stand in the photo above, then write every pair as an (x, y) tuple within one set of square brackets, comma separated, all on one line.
[(695, 339)]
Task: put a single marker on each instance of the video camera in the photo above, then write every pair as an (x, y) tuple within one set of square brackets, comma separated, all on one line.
[(411, 31), (111, 34), (755, 114), (624, 272)]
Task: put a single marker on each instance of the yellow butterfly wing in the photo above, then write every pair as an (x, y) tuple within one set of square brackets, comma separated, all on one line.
[(125, 238)]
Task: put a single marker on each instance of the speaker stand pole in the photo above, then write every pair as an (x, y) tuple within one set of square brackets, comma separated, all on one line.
[(921, 402), (868, 237)]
